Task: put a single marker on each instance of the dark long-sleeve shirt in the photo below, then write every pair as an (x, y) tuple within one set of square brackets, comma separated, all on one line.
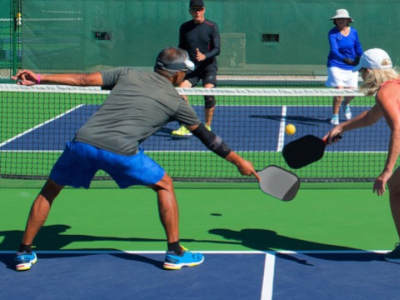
[(204, 36)]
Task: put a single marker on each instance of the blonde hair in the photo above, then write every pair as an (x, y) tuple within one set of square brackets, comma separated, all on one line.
[(375, 77)]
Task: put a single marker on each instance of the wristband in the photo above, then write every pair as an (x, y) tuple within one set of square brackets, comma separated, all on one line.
[(38, 79)]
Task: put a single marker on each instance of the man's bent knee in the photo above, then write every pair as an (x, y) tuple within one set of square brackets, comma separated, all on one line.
[(51, 190), (209, 102)]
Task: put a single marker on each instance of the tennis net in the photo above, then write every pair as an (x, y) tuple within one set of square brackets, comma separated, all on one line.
[(36, 122)]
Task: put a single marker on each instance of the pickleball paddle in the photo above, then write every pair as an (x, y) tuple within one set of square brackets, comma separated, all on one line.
[(304, 151), (279, 183)]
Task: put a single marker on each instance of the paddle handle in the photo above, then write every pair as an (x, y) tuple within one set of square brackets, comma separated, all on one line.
[(335, 138)]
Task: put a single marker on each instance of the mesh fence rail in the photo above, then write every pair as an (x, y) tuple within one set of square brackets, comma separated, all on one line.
[(36, 122)]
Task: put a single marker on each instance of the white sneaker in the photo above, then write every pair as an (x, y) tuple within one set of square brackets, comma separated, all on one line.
[(347, 111), (335, 120)]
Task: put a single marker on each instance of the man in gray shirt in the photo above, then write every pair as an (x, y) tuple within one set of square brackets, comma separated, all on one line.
[(139, 104)]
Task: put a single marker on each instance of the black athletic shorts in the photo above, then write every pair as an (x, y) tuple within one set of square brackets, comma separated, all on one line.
[(207, 74)]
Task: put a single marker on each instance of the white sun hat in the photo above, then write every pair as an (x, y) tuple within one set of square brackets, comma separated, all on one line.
[(372, 59), (342, 14)]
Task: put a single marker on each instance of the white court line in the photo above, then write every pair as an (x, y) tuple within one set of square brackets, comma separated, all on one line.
[(184, 151), (250, 252), (40, 125), (66, 251), (281, 135), (268, 279)]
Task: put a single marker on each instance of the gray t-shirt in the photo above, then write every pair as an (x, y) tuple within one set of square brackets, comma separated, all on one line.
[(139, 104)]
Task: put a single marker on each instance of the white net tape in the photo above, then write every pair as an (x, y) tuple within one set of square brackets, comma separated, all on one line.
[(190, 91)]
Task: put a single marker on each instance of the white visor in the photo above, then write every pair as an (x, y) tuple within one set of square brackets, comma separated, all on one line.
[(373, 59)]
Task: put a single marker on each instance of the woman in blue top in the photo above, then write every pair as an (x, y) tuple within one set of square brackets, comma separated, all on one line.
[(345, 51)]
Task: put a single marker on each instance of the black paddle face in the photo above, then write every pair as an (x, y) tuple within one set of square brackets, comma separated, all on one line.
[(279, 183), (303, 151)]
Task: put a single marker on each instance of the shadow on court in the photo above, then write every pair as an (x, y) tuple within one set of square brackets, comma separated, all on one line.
[(298, 119), (268, 240), (8, 260), (53, 238)]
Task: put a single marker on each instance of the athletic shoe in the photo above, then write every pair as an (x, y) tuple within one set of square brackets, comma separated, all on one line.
[(335, 120), (347, 111), (24, 260), (393, 256), (208, 127), (182, 131), (186, 259)]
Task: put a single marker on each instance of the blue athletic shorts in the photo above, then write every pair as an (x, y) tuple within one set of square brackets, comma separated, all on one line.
[(79, 163)]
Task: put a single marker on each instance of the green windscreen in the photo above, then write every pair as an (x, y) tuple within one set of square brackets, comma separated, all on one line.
[(263, 42), (265, 38)]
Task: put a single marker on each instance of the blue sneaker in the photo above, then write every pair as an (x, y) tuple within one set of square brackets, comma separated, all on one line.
[(186, 259), (393, 256), (24, 260)]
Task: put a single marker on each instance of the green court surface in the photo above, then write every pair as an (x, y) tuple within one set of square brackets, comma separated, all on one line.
[(225, 219)]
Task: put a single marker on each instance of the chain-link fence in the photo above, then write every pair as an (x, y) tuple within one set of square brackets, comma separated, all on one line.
[(10, 38)]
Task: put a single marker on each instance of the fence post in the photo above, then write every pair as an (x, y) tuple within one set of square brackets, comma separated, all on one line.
[(16, 29)]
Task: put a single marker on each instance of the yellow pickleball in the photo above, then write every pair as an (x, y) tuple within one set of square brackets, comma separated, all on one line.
[(290, 129)]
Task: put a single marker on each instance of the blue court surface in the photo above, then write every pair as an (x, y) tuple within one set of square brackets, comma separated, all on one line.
[(244, 128), (223, 275)]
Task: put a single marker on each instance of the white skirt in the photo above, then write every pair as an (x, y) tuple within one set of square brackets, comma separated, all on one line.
[(342, 78)]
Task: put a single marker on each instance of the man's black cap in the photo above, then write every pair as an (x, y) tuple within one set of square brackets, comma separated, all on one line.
[(196, 3)]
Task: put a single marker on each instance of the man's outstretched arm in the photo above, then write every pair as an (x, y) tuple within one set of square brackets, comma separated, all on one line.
[(218, 146), (26, 77)]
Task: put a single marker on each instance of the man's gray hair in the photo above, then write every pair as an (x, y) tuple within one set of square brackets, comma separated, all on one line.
[(173, 60)]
